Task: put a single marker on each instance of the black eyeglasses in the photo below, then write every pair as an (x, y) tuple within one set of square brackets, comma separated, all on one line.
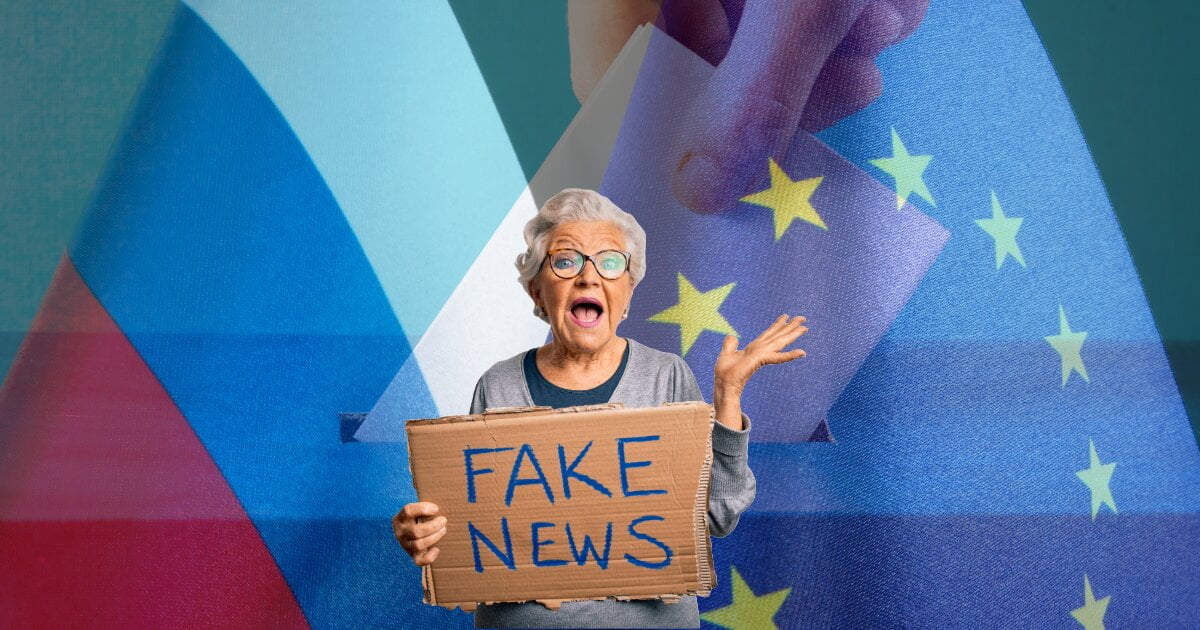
[(568, 263)]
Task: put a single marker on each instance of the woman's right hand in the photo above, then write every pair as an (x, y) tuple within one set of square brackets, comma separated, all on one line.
[(418, 529)]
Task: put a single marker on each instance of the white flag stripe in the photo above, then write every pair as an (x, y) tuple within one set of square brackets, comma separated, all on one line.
[(392, 109)]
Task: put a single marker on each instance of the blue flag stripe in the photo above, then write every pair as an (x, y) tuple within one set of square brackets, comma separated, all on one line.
[(217, 248)]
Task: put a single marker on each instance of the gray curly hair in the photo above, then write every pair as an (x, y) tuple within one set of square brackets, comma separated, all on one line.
[(578, 204)]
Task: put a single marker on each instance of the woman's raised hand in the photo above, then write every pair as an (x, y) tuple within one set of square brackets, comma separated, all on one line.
[(418, 529), (735, 367)]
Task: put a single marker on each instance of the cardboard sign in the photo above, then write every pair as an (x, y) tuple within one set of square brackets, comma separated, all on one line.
[(556, 505)]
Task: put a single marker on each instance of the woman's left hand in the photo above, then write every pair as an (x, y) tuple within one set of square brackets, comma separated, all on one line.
[(735, 367)]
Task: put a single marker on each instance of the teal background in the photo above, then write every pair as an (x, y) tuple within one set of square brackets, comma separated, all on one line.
[(69, 72)]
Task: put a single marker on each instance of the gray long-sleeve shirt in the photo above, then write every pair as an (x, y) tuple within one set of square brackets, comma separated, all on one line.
[(651, 378)]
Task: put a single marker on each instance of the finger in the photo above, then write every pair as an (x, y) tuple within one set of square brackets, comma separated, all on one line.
[(426, 558), (596, 32), (784, 357), (786, 340), (754, 101), (409, 516), (421, 530), (764, 338), (785, 337), (772, 339), (730, 345), (774, 328), (400, 523), (701, 25), (797, 324), (850, 79), (848, 83), (425, 543), (413, 511), (878, 26), (912, 12)]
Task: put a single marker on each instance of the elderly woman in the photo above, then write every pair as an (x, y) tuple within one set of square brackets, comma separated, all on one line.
[(584, 258)]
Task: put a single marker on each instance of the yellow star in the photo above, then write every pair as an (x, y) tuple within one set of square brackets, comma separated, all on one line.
[(747, 610), (1068, 343), (789, 199), (1091, 614), (1003, 230), (1096, 477), (696, 312), (907, 170)]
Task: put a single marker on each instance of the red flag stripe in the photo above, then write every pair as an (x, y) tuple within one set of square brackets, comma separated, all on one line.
[(112, 513)]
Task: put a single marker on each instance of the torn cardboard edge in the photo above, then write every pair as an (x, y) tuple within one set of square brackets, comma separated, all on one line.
[(704, 578)]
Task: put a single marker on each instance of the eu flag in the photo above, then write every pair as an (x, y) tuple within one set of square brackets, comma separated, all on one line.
[(1013, 451)]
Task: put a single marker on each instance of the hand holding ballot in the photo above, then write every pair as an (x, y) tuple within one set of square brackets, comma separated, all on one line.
[(781, 66)]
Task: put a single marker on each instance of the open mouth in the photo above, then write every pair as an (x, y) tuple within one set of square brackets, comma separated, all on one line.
[(586, 312)]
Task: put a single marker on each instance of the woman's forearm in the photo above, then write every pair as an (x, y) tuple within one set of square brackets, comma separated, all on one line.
[(727, 402), (732, 485)]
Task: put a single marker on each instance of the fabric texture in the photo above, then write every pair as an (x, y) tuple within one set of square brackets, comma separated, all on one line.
[(651, 378)]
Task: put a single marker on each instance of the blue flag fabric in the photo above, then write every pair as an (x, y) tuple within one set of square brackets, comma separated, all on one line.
[(1011, 449), (1014, 452)]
